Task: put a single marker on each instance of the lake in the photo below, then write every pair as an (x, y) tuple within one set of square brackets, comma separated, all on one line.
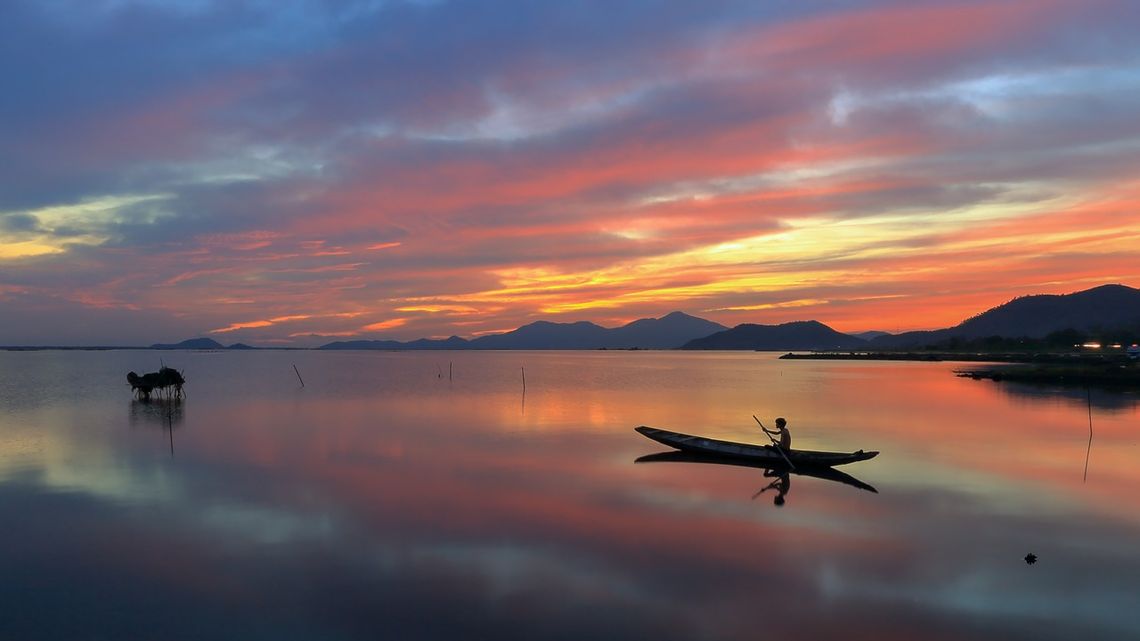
[(426, 495)]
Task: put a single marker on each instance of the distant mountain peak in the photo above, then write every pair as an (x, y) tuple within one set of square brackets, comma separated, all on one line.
[(192, 343), (796, 335), (1111, 306), (1110, 287)]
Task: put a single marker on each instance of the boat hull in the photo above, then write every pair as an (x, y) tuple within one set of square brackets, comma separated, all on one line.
[(748, 451)]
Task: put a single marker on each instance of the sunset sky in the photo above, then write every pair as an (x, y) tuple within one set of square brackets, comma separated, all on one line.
[(291, 172)]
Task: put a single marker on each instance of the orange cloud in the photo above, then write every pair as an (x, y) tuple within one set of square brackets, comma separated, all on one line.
[(260, 323), (384, 325)]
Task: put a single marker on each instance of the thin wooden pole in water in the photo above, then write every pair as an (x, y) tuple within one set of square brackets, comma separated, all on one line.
[(298, 374), (170, 427), (1088, 393), (523, 378), (449, 371)]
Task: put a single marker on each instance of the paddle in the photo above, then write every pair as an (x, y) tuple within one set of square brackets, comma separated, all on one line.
[(774, 443)]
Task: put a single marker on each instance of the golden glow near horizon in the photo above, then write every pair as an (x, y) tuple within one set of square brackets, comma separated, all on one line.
[(51, 230), (787, 259), (27, 248)]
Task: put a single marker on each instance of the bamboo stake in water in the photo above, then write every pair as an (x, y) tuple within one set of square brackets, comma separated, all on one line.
[(298, 374), (170, 428), (448, 371), (1088, 392)]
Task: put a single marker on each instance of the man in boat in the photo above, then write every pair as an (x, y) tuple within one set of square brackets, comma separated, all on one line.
[(785, 442)]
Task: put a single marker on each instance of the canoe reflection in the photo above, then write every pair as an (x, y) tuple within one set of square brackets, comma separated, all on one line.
[(781, 474)]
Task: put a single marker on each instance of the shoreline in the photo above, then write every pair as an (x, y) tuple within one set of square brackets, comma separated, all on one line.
[(1083, 358), (1061, 368), (1080, 375)]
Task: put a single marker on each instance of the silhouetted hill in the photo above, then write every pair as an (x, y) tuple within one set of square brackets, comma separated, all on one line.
[(1107, 307), (453, 342), (907, 339), (364, 344), (546, 335), (800, 335), (193, 343), (241, 346), (668, 332)]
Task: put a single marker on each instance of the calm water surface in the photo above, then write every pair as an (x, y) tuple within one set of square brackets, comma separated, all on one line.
[(387, 500)]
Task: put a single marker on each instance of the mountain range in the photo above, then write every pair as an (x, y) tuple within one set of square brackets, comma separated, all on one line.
[(1114, 308), (668, 332)]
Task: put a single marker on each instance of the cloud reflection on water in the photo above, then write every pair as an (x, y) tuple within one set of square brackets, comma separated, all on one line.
[(350, 512)]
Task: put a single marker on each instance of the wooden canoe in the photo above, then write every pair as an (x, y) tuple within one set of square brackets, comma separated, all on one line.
[(702, 445)]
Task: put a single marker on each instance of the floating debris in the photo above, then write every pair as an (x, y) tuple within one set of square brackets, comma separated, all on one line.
[(1030, 558), (168, 381)]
